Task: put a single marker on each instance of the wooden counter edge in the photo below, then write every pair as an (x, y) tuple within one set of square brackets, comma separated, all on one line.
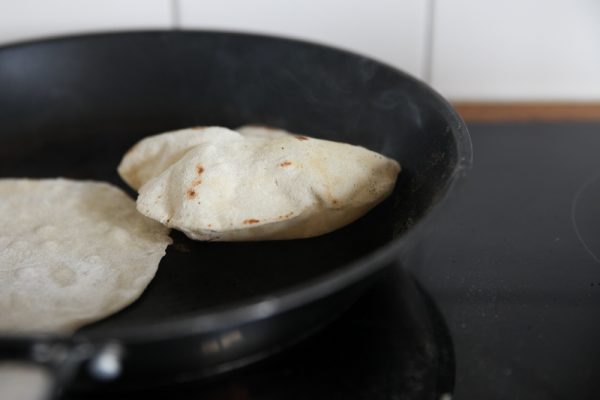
[(550, 112)]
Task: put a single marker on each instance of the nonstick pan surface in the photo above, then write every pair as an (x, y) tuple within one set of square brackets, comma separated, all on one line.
[(72, 106)]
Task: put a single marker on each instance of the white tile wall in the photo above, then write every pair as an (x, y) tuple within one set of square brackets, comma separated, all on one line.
[(26, 19), (389, 30), (517, 49), (479, 49)]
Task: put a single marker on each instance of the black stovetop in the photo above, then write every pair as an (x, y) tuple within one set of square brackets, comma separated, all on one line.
[(513, 264)]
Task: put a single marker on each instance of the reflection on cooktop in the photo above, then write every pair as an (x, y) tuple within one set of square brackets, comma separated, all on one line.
[(585, 203), (391, 344)]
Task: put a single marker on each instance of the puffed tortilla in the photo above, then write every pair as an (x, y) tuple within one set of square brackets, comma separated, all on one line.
[(262, 132), (154, 154), (231, 187), (71, 252)]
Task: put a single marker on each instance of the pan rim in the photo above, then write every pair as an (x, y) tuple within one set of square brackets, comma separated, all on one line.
[(258, 308)]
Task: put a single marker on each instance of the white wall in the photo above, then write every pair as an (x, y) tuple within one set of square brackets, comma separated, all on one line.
[(389, 30), (517, 49), (467, 49), (28, 19)]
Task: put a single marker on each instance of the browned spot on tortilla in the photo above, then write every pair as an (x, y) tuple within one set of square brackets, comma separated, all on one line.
[(285, 164), (210, 225), (300, 137), (251, 221), (286, 216), (196, 181), (334, 201), (191, 193)]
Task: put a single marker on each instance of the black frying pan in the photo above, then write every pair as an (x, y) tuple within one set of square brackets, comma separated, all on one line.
[(72, 106)]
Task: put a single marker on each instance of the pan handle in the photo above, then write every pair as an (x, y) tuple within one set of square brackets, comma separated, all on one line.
[(41, 369)]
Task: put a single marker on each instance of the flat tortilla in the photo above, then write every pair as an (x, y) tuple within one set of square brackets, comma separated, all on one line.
[(71, 252)]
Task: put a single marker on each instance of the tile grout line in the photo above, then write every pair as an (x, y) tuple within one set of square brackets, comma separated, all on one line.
[(175, 15), (429, 39)]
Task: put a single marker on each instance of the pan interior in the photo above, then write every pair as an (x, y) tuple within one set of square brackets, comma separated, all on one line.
[(72, 107)]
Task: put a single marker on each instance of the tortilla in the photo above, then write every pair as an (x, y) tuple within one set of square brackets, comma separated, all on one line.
[(154, 154), (71, 252), (262, 132), (231, 188)]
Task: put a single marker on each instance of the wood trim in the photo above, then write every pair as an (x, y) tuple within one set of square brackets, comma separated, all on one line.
[(550, 112)]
